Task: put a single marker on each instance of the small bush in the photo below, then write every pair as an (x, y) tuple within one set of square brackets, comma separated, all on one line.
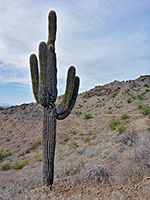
[(96, 172), (81, 134), (9, 153), (78, 113), (121, 128), (73, 132), (145, 110), (1, 154), (9, 131), (87, 115), (128, 100), (66, 138), (7, 139), (73, 143), (94, 137), (38, 158), (124, 116), (21, 165), (129, 137), (114, 123), (6, 167), (113, 96), (87, 140), (38, 141)]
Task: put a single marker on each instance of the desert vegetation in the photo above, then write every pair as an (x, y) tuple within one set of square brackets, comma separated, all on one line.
[(101, 154)]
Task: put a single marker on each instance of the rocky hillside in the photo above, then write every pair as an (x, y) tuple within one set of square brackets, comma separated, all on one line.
[(102, 150)]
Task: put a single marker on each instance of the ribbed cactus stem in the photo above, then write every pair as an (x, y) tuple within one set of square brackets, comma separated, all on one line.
[(34, 76), (45, 92), (52, 28)]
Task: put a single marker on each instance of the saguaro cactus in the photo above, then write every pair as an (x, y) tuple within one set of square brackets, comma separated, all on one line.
[(45, 92)]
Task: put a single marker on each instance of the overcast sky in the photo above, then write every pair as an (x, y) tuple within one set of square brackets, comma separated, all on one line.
[(105, 39)]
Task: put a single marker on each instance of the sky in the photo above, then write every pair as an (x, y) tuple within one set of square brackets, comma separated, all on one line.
[(105, 40)]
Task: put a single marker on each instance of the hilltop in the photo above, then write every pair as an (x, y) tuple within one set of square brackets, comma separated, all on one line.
[(102, 150)]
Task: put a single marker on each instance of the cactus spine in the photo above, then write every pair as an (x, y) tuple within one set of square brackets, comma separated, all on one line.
[(45, 92)]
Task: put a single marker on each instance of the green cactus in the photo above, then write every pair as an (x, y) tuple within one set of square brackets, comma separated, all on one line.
[(45, 92)]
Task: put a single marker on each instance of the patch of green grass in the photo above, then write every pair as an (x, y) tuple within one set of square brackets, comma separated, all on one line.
[(94, 137), (121, 128), (87, 115), (9, 153), (6, 167), (114, 122), (38, 141), (87, 140), (73, 143), (127, 90), (14, 124), (124, 116), (60, 157), (38, 158), (73, 132), (20, 165), (84, 101), (81, 134), (146, 85), (108, 112), (128, 100), (7, 139), (78, 113), (98, 94), (80, 106), (66, 138), (113, 95), (145, 110), (1, 154), (9, 131)]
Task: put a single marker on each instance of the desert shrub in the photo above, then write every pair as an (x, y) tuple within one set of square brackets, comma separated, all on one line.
[(78, 113), (146, 85), (38, 158), (1, 154), (127, 90), (73, 143), (145, 110), (20, 165), (129, 137), (139, 104), (66, 138), (94, 137), (113, 95), (73, 132), (9, 131), (87, 140), (96, 172), (121, 128), (38, 141), (9, 153), (128, 100), (81, 134), (87, 115), (124, 116), (114, 122), (7, 139), (79, 106), (6, 167), (134, 163)]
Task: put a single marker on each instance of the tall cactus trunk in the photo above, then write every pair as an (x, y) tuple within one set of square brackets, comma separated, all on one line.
[(49, 141), (45, 92)]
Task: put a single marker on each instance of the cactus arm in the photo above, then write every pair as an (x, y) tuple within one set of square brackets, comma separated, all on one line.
[(34, 76), (43, 74), (52, 27), (72, 102), (63, 106), (51, 74)]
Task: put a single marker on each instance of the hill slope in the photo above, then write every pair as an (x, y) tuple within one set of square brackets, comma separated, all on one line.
[(102, 150)]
